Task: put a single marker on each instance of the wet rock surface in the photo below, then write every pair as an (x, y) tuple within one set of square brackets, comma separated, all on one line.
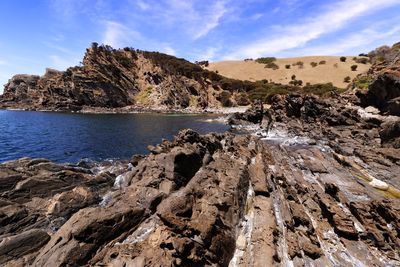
[(319, 188)]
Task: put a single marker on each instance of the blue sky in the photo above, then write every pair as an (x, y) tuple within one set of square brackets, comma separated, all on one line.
[(55, 33)]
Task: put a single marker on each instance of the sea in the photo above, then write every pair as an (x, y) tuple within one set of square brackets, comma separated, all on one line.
[(72, 137)]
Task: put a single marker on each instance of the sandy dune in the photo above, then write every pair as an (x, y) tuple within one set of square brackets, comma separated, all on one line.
[(253, 71)]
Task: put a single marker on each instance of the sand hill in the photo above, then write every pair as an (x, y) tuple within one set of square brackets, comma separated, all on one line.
[(333, 70)]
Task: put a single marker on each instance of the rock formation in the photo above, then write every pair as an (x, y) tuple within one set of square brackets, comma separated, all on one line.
[(113, 78), (384, 91), (308, 182), (319, 188)]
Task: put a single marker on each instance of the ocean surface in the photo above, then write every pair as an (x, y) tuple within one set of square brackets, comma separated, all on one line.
[(68, 137)]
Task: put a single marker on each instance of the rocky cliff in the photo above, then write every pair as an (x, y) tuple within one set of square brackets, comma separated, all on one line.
[(128, 79), (384, 90), (319, 188), (119, 78)]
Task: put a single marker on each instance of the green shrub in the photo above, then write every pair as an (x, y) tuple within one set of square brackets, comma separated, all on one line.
[(299, 63), (125, 61), (265, 60), (354, 67), (321, 89), (322, 62), (293, 77), (363, 82), (347, 79), (362, 60), (287, 66), (343, 59), (271, 65), (242, 99), (225, 99), (296, 82), (314, 64), (264, 92)]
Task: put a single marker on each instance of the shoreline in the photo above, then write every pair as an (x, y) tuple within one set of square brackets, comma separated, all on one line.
[(137, 110)]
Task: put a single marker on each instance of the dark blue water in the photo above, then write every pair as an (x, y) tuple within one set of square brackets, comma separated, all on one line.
[(66, 137)]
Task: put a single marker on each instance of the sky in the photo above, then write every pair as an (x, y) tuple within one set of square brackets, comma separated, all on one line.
[(38, 34)]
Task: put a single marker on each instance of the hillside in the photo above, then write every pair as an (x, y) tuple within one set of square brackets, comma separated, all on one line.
[(113, 78), (333, 70), (130, 80)]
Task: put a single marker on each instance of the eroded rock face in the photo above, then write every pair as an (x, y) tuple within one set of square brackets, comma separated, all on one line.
[(109, 78), (383, 93), (319, 188)]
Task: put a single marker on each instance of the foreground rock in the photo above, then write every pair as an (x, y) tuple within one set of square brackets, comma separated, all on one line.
[(320, 188)]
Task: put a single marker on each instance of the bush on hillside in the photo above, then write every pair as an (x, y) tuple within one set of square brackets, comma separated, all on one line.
[(347, 79), (322, 62), (354, 67), (264, 92), (314, 64), (271, 65), (321, 89), (296, 82), (204, 63), (363, 82), (343, 59), (242, 99), (265, 60), (225, 99), (299, 63), (362, 60), (287, 66), (124, 60)]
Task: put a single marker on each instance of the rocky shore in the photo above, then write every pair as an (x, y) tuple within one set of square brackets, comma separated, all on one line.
[(320, 188), (308, 181)]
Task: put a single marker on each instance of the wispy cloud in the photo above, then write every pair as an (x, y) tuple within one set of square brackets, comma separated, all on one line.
[(58, 47), (168, 50), (60, 63), (333, 18), (143, 5), (194, 18), (118, 35), (209, 54), (212, 19), (361, 40)]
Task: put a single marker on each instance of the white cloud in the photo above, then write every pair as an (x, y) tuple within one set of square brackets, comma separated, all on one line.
[(168, 50), (60, 63), (257, 16), (335, 17), (210, 53), (142, 5), (212, 20), (117, 35), (361, 41), (195, 18)]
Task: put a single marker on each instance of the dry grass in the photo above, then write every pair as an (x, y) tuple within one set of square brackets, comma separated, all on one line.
[(253, 71)]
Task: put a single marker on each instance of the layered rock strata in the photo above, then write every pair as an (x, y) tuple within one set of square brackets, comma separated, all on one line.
[(320, 188)]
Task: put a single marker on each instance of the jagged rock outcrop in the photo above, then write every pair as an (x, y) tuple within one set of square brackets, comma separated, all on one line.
[(384, 91), (320, 187), (120, 78)]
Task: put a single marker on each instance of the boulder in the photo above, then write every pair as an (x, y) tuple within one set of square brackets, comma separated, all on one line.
[(390, 133), (16, 246), (383, 93)]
